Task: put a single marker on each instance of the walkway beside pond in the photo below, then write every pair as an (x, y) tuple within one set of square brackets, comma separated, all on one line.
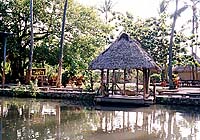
[(182, 96), (181, 90)]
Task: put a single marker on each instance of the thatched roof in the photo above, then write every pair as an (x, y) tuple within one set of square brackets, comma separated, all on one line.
[(124, 53), (184, 68)]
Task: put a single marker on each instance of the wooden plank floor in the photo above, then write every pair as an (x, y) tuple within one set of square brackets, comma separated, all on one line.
[(123, 100)]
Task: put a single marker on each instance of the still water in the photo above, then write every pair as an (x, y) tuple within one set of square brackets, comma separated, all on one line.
[(29, 119)]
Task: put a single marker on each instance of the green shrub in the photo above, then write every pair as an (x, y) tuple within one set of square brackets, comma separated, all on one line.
[(25, 90), (156, 78)]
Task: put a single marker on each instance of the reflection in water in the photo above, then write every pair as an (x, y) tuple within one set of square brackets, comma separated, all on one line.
[(27, 119)]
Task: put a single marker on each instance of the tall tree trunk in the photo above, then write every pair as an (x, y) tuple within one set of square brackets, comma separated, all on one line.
[(193, 22), (170, 47), (31, 43), (192, 48), (59, 79), (194, 28), (4, 59)]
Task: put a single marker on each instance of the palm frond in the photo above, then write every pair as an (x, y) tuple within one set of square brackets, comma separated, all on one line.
[(163, 6), (179, 11)]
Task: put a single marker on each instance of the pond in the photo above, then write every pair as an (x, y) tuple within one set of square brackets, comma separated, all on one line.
[(31, 119)]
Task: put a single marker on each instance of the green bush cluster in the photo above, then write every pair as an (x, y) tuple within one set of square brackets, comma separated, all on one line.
[(25, 90), (156, 78)]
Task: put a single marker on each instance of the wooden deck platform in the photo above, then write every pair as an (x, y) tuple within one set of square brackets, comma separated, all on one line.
[(121, 100)]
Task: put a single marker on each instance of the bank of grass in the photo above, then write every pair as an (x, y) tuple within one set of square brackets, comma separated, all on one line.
[(33, 91), (30, 90)]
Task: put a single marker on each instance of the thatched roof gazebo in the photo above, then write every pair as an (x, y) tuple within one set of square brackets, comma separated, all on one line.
[(125, 53)]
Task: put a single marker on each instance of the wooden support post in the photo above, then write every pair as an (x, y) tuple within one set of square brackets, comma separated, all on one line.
[(196, 71), (124, 87), (146, 73), (154, 92), (137, 81), (91, 82), (42, 81), (107, 81), (101, 84), (144, 83), (193, 75), (113, 81), (102, 73), (148, 80)]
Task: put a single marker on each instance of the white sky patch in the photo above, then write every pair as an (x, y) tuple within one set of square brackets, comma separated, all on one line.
[(140, 8), (146, 9)]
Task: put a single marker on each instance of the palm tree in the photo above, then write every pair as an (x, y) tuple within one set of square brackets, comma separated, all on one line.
[(177, 13), (106, 8), (31, 43), (194, 18), (194, 31), (170, 47), (59, 79), (162, 10), (163, 6)]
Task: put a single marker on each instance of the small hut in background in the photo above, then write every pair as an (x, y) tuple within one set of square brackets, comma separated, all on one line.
[(125, 54), (189, 72), (186, 72)]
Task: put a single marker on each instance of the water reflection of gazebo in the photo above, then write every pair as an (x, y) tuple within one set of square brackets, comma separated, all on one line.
[(125, 54)]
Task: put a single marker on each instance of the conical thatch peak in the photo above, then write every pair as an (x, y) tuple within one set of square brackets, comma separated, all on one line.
[(124, 36), (124, 53)]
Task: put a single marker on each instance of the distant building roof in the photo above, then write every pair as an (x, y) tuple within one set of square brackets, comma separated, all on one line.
[(184, 68)]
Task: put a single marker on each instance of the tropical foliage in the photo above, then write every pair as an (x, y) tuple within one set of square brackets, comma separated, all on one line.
[(86, 35)]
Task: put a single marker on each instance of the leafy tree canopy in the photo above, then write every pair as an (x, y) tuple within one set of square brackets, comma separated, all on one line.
[(85, 34)]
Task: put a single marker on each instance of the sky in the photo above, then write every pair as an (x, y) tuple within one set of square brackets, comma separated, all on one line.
[(141, 8), (145, 9)]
